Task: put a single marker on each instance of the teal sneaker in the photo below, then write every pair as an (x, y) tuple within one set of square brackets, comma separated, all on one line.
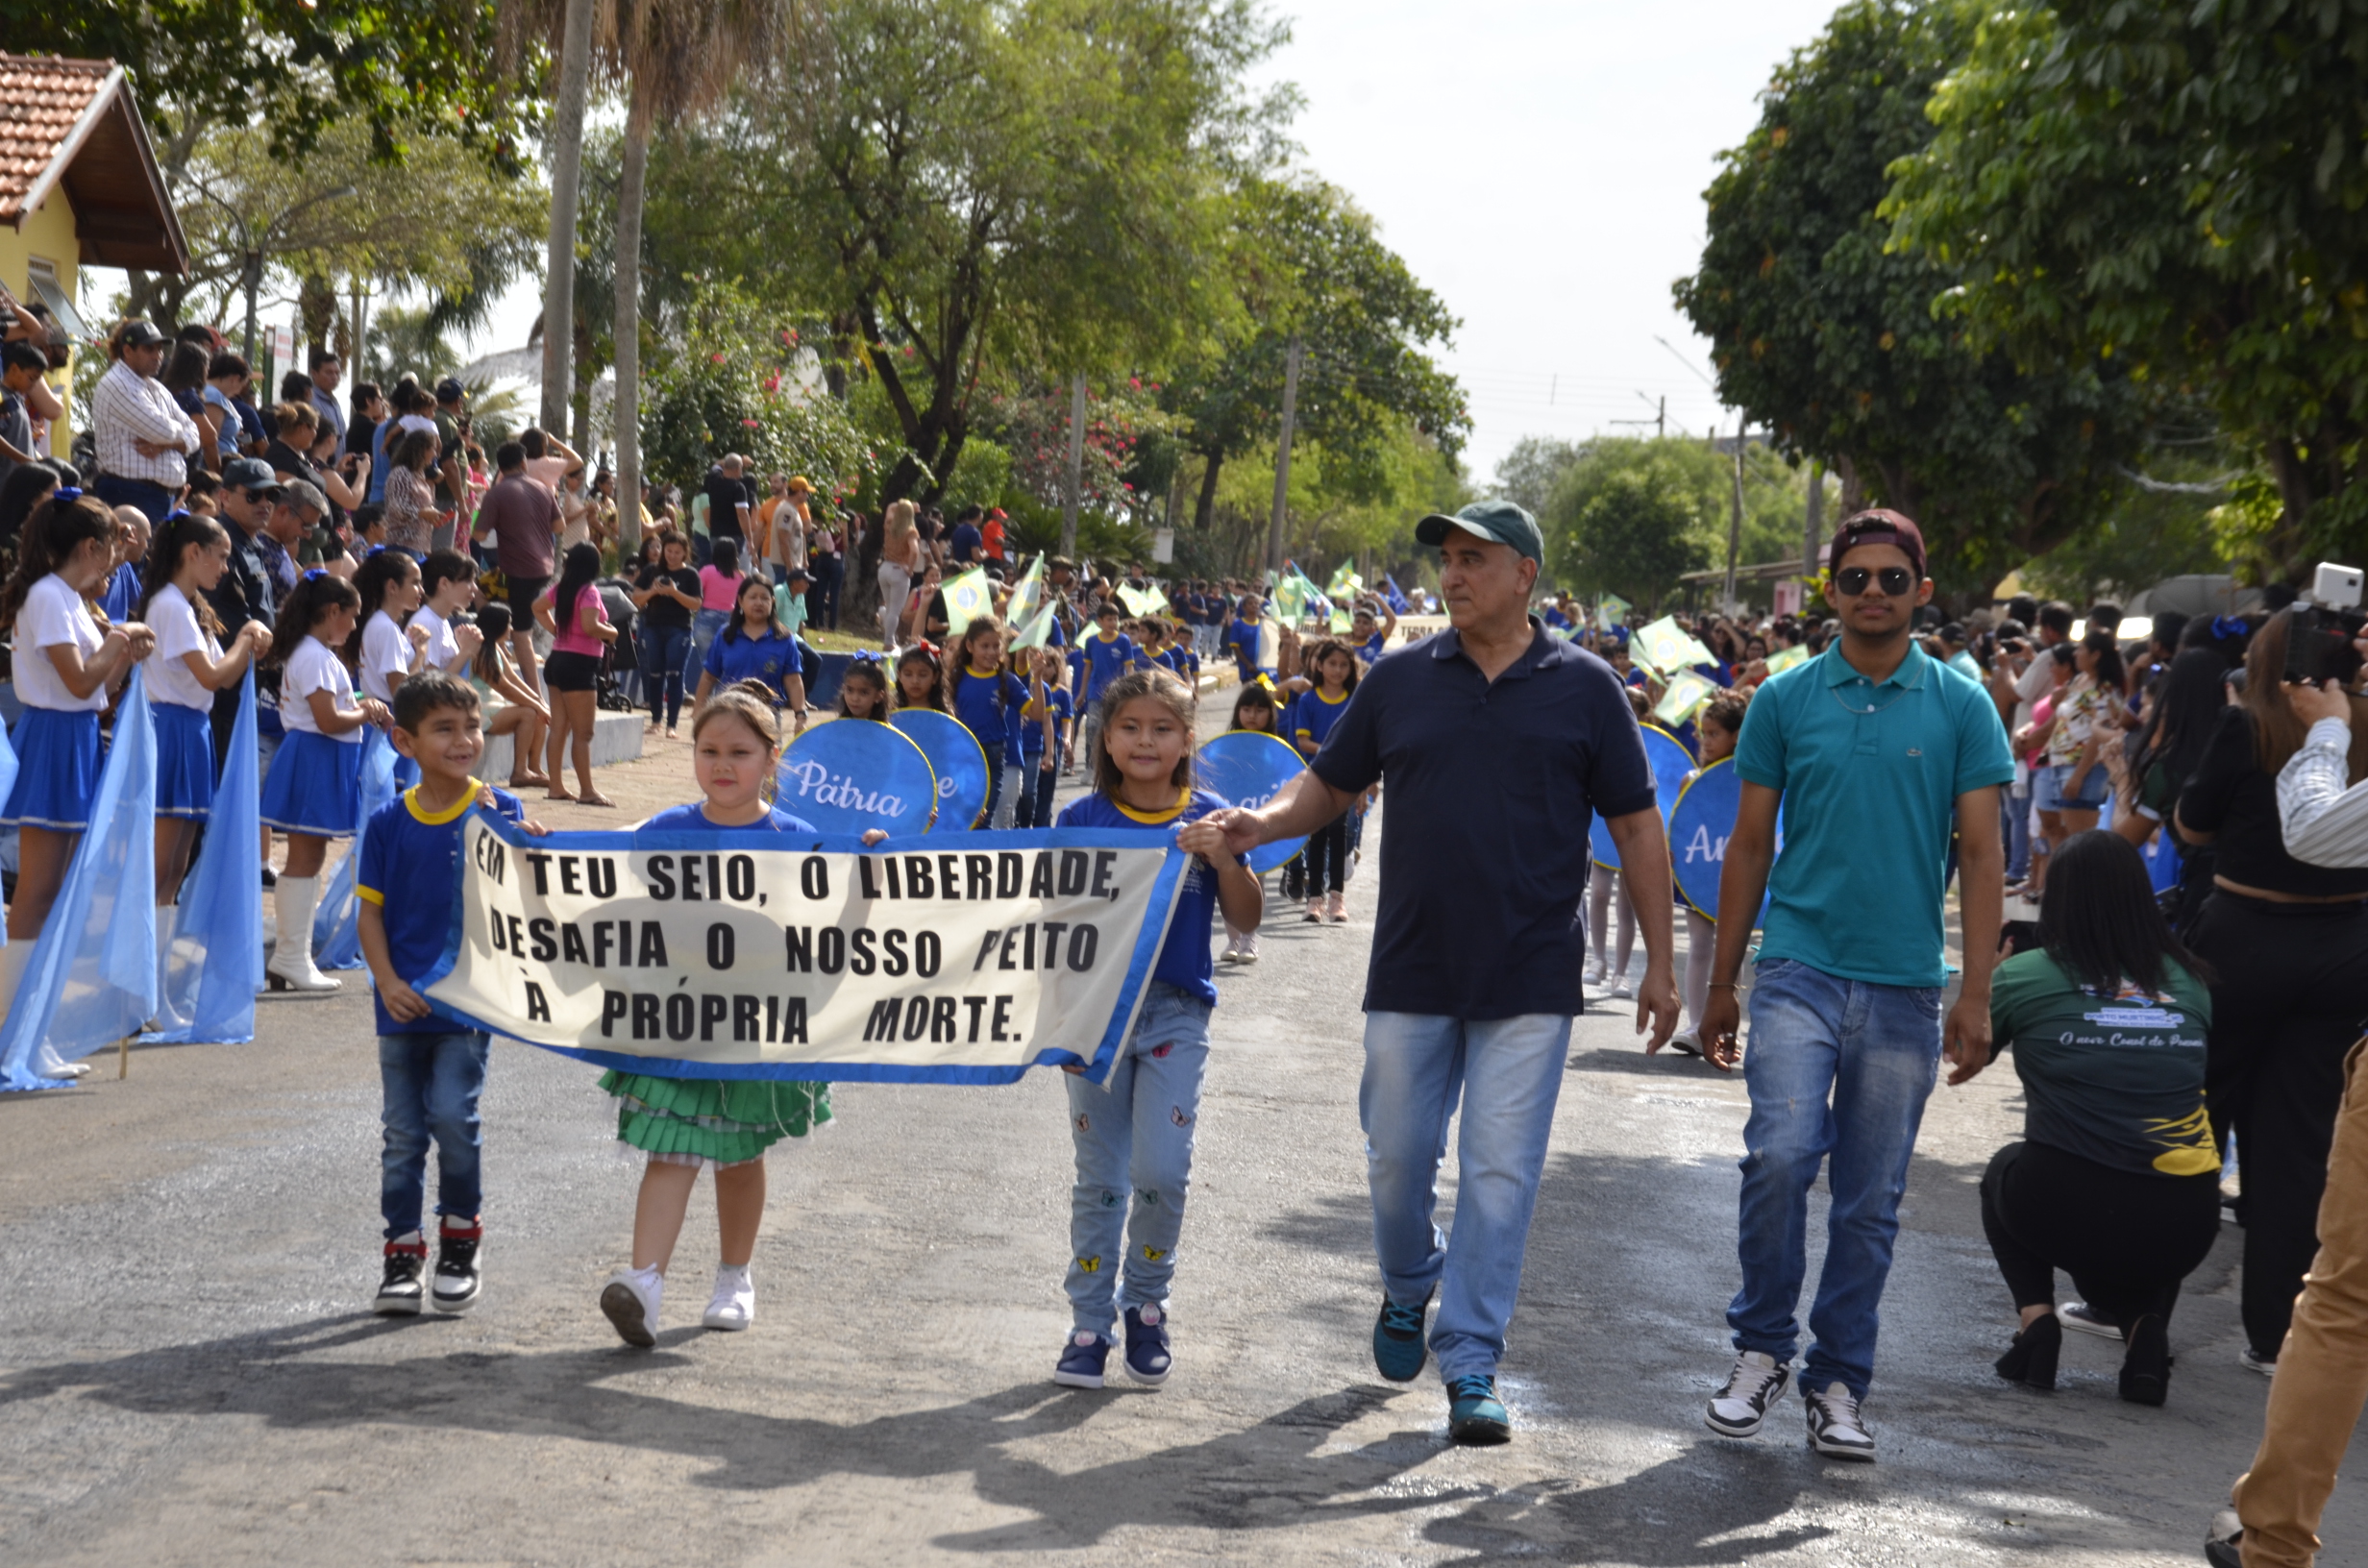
[(1474, 1415), (1398, 1350)]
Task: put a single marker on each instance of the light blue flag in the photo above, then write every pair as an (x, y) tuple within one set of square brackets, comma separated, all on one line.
[(218, 958), (93, 978), (336, 925)]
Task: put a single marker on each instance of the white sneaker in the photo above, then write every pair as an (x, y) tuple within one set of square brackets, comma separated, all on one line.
[(1687, 1042), (1756, 1382), (631, 1300), (734, 1304), (2080, 1315), (1593, 974), (1623, 989), (1249, 951), (2266, 1365), (1835, 1428)]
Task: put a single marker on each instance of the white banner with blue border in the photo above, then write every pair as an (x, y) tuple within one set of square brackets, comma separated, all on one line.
[(760, 955)]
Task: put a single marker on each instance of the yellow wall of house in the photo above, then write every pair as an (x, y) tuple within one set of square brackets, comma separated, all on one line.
[(50, 234)]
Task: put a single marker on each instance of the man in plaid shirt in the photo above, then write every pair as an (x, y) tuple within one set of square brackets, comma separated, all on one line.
[(141, 433)]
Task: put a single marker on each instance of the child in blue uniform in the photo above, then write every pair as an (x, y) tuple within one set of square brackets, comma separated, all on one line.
[(1720, 724), (863, 691), (1253, 710), (1312, 718), (988, 700), (431, 1071), (1044, 734), (188, 667), (313, 792), (755, 648), (1103, 655), (921, 681), (1136, 1137), (67, 665), (723, 1124)]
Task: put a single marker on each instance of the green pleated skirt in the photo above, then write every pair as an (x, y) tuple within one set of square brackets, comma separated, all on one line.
[(723, 1121)]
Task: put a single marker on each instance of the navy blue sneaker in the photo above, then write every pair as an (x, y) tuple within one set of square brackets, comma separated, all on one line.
[(1474, 1416), (1147, 1345), (1398, 1350), (1082, 1360)]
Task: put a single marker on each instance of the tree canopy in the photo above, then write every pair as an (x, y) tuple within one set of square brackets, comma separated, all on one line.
[(1826, 333), (2180, 192)]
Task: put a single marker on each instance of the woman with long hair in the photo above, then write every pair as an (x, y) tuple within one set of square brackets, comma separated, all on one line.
[(899, 559), (411, 510), (510, 706), (2289, 941), (2116, 1179), (571, 611)]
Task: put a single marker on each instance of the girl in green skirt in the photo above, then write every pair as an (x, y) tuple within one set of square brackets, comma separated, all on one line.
[(687, 1125)]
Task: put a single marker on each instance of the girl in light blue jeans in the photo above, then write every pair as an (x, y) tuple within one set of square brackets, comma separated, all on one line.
[(1134, 1133)]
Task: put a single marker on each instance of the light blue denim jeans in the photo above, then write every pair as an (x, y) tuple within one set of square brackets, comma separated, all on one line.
[(1840, 1068), (1135, 1137), (707, 625), (1508, 1072), (430, 1085)]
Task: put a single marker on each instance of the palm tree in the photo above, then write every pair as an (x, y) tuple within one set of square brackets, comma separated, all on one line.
[(678, 59)]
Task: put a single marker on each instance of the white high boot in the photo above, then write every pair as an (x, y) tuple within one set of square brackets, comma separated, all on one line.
[(291, 957), (168, 924), (15, 959)]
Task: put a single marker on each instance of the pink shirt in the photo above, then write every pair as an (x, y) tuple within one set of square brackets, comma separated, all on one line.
[(569, 639), (717, 591)]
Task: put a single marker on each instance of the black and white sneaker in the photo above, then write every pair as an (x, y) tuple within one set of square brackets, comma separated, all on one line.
[(1756, 1382), (404, 1290), (456, 1275), (2080, 1316), (1835, 1428)]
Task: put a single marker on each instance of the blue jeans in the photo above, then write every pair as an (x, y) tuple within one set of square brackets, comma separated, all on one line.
[(1135, 1137), (1034, 807), (2014, 813), (152, 500), (431, 1084), (1508, 1072), (1839, 1067), (707, 625), (664, 651)]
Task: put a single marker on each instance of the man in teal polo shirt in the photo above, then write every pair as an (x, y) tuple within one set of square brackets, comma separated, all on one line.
[(1875, 750)]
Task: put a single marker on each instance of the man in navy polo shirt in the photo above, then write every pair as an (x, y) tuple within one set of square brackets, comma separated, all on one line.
[(1498, 741), (1874, 750)]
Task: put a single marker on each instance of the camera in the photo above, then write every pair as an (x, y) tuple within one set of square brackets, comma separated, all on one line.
[(2318, 644)]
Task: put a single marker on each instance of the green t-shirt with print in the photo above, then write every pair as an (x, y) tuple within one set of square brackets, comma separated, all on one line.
[(2118, 1080)]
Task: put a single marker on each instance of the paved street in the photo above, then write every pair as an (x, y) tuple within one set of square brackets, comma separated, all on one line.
[(190, 1375)]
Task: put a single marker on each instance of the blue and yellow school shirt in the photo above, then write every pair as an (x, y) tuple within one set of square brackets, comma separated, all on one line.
[(1031, 720), (1246, 640), (988, 702), (1184, 958), (771, 658), (1313, 715), (693, 818), (1106, 659), (1372, 648), (410, 869), (1870, 774)]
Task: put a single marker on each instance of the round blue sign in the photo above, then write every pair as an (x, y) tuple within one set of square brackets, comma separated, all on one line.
[(1245, 767), (851, 775), (958, 760), (1671, 762)]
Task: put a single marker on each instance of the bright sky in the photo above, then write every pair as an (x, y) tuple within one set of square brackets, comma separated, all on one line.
[(1539, 163)]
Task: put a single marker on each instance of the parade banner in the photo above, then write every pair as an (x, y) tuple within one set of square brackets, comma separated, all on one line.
[(738, 955), (1671, 762), (956, 759), (1249, 768), (852, 775)]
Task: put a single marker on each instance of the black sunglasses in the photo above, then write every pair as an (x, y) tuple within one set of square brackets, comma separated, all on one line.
[(1895, 580)]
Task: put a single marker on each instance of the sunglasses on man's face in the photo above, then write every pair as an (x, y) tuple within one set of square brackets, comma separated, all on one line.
[(1894, 580)]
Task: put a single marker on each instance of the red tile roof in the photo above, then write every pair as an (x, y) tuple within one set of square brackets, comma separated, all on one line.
[(41, 101), (72, 125)]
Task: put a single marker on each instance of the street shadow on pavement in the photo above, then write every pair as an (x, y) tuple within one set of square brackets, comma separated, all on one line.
[(307, 1376)]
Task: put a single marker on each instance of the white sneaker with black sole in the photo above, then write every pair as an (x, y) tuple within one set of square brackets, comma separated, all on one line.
[(1756, 1382), (1835, 1428), (2086, 1319)]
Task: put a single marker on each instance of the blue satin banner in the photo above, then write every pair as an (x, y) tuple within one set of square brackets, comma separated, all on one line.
[(851, 775), (956, 759), (1248, 768), (216, 963), (1671, 763)]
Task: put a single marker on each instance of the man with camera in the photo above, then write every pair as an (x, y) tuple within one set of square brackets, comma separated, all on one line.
[(2317, 1400)]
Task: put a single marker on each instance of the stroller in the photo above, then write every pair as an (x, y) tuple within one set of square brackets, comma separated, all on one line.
[(617, 688)]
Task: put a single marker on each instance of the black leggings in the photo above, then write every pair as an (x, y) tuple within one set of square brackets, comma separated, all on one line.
[(2126, 1238), (1328, 846), (2289, 999)]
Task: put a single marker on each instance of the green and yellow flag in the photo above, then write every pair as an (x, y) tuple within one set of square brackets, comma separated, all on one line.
[(1027, 594), (1143, 600), (1684, 698), (1668, 648), (1785, 658), (968, 596)]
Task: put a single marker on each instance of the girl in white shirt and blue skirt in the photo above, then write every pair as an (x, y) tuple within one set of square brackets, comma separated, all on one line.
[(394, 648), (313, 790), (188, 667), (68, 663)]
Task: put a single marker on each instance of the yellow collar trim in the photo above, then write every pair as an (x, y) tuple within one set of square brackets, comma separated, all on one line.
[(1330, 702), (1183, 799), (420, 814)]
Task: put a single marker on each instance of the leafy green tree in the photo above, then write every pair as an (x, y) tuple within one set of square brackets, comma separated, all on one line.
[(1633, 515), (1526, 474), (2180, 190), (1315, 267), (1831, 337), (294, 68)]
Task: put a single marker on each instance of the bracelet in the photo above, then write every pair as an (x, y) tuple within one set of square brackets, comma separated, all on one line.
[(1722, 985)]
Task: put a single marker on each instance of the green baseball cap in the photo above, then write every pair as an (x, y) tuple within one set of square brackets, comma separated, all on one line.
[(1500, 521)]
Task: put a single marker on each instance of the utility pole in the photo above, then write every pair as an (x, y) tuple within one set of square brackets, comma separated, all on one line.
[(1735, 523), (1282, 455), (1812, 532), (1071, 501)]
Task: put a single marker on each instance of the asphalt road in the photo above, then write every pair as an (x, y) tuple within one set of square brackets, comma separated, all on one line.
[(189, 1374)]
